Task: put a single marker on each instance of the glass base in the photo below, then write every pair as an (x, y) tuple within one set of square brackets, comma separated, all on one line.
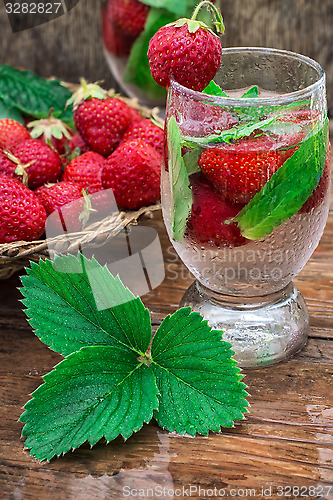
[(262, 330)]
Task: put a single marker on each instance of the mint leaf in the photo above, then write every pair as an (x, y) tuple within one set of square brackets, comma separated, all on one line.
[(232, 134), (93, 393), (191, 160), (214, 89), (33, 95), (181, 193), (288, 188), (74, 303), (198, 382), (252, 92), (137, 68)]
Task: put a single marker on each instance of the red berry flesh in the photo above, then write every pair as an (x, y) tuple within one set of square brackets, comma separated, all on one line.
[(209, 221), (44, 163), (148, 132), (133, 172), (192, 59), (22, 216), (102, 123), (11, 133)]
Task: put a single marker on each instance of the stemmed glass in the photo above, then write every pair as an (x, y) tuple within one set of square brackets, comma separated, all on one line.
[(245, 195)]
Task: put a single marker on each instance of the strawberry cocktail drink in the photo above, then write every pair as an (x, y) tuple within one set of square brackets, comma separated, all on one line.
[(245, 191)]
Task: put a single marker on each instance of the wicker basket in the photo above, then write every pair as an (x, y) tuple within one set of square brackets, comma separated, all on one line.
[(16, 255)]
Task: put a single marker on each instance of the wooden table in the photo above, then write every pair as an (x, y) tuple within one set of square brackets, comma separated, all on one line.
[(285, 442)]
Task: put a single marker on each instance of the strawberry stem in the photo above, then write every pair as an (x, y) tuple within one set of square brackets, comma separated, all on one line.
[(20, 168), (218, 23)]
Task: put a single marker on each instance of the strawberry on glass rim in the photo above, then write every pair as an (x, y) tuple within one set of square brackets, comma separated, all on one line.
[(187, 49)]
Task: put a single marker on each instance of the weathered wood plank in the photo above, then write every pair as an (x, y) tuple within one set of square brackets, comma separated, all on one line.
[(70, 46)]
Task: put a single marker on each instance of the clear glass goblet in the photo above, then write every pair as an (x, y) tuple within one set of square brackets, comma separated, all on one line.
[(245, 195)]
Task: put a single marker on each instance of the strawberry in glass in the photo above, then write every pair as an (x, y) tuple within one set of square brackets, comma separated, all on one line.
[(245, 196)]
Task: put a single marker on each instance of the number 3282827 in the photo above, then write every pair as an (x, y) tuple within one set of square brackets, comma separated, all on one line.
[(33, 8)]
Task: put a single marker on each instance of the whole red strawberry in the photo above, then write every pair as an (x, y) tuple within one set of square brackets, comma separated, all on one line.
[(128, 16), (240, 170), (148, 132), (187, 50), (22, 216), (11, 133), (60, 197), (86, 170), (39, 161), (52, 131), (133, 172), (209, 213), (99, 119)]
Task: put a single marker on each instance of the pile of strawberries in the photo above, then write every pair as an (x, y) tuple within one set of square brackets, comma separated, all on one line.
[(45, 165)]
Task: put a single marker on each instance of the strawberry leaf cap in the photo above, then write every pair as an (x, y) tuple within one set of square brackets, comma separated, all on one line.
[(84, 92), (49, 127), (192, 24)]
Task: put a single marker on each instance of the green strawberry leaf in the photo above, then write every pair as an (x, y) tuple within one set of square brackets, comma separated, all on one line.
[(99, 391), (198, 381), (288, 188), (181, 193), (9, 112), (137, 68), (118, 376), (32, 95), (72, 303)]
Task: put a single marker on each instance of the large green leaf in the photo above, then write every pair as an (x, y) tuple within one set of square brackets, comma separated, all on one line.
[(33, 95), (9, 112), (74, 302), (198, 381), (288, 189), (181, 193), (93, 393), (113, 382)]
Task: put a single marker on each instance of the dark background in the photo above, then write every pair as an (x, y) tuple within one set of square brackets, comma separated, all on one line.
[(70, 46)]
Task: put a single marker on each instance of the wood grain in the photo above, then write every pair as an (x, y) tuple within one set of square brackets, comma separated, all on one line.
[(285, 440), (70, 46)]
